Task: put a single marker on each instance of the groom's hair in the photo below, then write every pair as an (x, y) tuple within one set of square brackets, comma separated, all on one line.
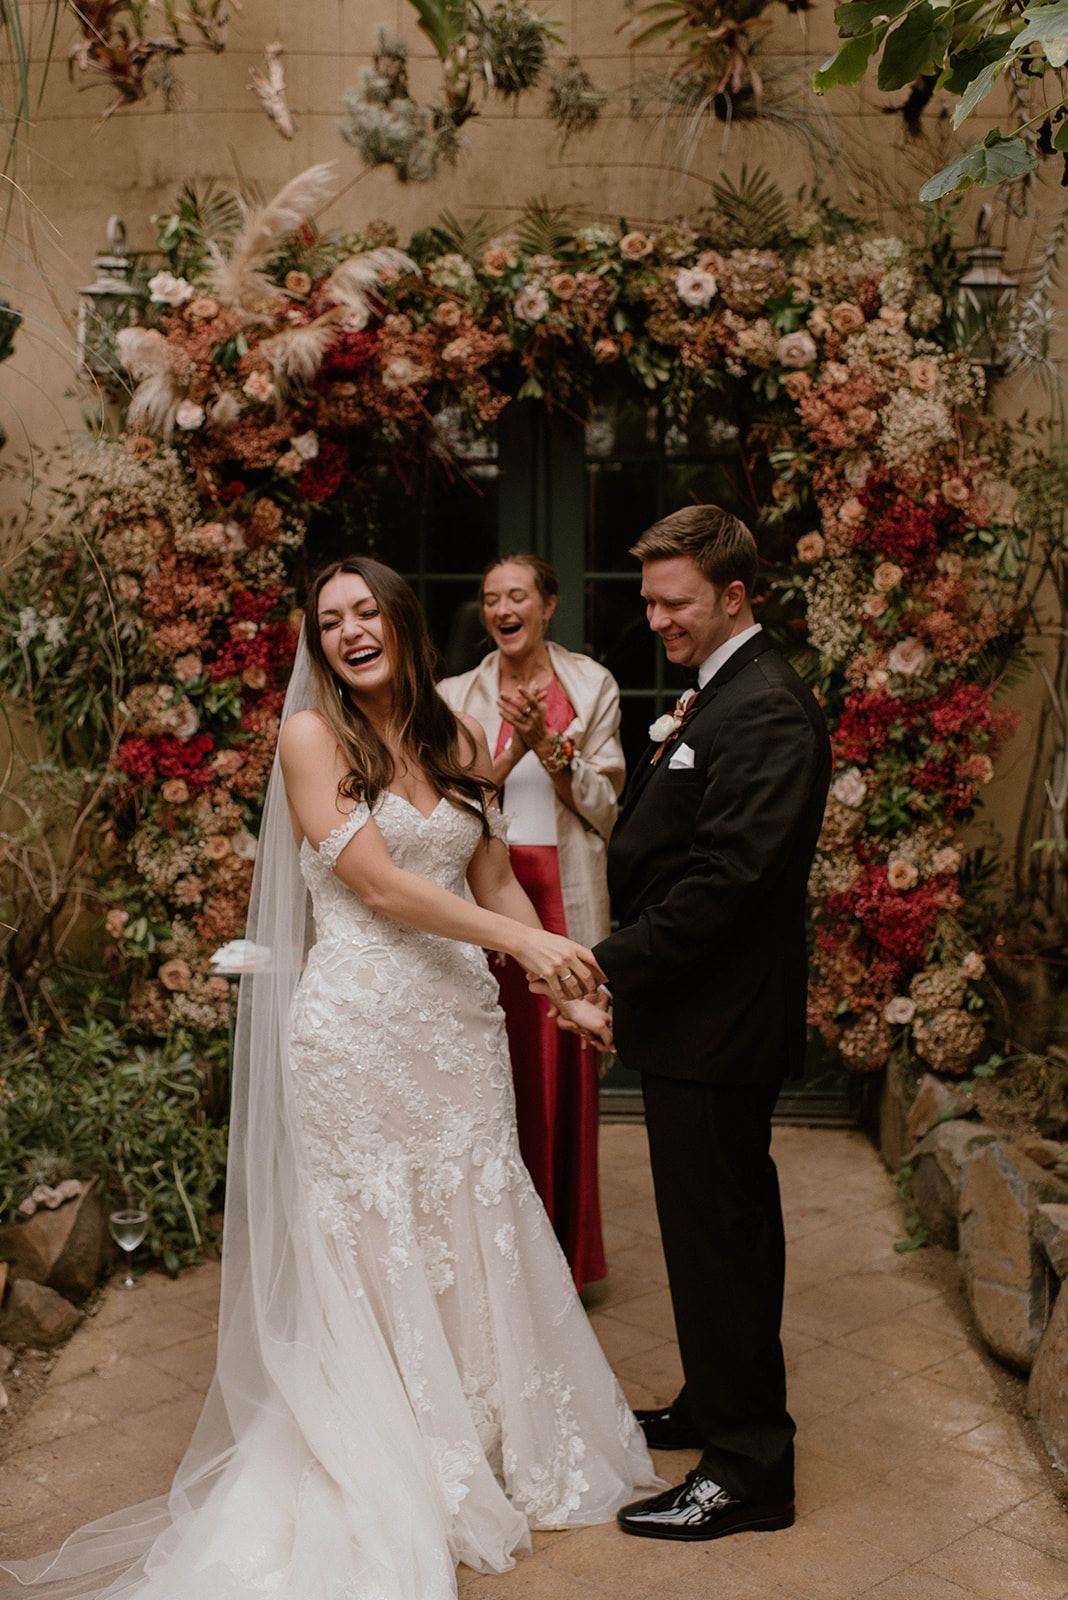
[(718, 544)]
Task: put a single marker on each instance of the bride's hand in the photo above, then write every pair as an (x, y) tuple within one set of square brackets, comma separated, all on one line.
[(568, 970)]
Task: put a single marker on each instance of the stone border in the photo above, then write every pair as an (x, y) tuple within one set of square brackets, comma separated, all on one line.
[(994, 1201)]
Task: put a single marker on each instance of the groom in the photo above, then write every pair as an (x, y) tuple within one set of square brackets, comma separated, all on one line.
[(708, 867)]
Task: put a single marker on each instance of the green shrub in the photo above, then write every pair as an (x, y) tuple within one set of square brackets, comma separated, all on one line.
[(93, 1100)]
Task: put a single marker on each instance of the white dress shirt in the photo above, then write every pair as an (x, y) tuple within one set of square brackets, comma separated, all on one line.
[(723, 653)]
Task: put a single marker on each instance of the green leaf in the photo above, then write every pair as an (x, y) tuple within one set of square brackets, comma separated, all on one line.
[(912, 47), (849, 65), (977, 90), (1060, 138), (1047, 25), (967, 64), (993, 160), (857, 16)]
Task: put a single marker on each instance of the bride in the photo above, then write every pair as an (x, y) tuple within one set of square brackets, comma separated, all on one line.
[(405, 1379)]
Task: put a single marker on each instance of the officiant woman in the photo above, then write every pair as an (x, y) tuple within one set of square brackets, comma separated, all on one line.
[(552, 721)]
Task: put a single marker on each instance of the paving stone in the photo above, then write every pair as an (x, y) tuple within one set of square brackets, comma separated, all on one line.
[(992, 1566)]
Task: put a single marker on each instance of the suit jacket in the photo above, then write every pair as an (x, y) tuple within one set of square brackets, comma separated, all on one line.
[(708, 870)]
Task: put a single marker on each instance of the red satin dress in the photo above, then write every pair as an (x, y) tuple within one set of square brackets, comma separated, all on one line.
[(555, 1073)]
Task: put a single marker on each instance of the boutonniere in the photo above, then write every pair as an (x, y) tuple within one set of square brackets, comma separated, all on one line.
[(666, 729)]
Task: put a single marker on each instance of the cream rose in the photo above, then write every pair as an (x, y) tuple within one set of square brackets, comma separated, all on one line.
[(189, 415), (899, 1010), (901, 873), (973, 966), (306, 445), (531, 303), (167, 290), (694, 287), (946, 860), (849, 788), (634, 245), (796, 349), (258, 386), (893, 317), (908, 658), (659, 730), (923, 375)]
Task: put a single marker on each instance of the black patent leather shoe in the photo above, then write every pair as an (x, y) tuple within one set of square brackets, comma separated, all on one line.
[(664, 1431), (699, 1509)]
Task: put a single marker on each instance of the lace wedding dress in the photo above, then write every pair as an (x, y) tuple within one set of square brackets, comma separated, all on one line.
[(404, 1089)]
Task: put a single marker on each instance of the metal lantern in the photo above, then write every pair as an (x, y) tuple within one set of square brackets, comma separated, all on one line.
[(987, 294), (112, 302)]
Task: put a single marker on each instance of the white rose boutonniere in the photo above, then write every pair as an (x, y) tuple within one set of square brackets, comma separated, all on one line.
[(670, 725)]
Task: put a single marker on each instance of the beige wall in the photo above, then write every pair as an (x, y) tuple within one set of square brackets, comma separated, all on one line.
[(77, 171)]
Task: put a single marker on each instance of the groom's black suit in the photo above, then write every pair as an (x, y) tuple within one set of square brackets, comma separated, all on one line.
[(708, 868)]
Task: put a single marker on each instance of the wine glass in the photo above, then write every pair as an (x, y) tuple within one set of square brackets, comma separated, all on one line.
[(128, 1228)]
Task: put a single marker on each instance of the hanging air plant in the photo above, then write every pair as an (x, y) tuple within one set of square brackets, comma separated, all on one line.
[(575, 102), (385, 124), (513, 46)]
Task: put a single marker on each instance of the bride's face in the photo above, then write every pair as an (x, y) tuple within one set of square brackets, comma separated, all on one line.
[(354, 634)]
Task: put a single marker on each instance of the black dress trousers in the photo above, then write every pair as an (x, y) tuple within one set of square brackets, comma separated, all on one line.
[(717, 1197)]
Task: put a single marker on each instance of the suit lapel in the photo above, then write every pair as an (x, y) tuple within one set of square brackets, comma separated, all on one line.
[(747, 652)]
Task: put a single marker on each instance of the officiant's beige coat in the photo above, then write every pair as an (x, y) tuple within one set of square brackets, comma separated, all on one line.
[(597, 774)]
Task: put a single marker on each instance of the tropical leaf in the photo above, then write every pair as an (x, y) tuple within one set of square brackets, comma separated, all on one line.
[(543, 229), (752, 213), (468, 238)]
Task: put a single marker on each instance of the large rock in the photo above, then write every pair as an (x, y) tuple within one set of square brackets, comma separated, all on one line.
[(936, 1102), (1004, 1270), (35, 1315), (1051, 1235), (937, 1163), (66, 1248), (894, 1096), (1047, 1390)]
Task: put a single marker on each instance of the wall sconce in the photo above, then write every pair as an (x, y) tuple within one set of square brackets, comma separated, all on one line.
[(987, 296), (107, 305)]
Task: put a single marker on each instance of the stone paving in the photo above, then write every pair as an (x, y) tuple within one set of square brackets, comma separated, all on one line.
[(917, 1479)]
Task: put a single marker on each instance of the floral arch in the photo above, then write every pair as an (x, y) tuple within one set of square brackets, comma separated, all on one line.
[(264, 387)]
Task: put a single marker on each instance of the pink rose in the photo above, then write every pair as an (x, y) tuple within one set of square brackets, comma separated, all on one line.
[(115, 922), (562, 285), (710, 261), (955, 491)]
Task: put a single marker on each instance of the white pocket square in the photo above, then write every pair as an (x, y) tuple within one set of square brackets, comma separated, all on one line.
[(682, 756)]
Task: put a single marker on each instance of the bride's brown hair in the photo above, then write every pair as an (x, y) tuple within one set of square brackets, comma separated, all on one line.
[(428, 727)]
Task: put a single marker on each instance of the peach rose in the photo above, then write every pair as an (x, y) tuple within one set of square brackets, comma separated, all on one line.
[(216, 846), (877, 678), (115, 922), (979, 768), (606, 350), (562, 285), (254, 678), (633, 246), (175, 975), (893, 317), (289, 464), (496, 261), (837, 373), (202, 309), (955, 491), (818, 322), (874, 605), (710, 261), (448, 314), (796, 384), (901, 873), (298, 282), (846, 317), (887, 576), (851, 512), (227, 762), (811, 547), (923, 374), (175, 791), (219, 987), (973, 966)]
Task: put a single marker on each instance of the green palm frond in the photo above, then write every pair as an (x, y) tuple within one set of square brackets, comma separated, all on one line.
[(464, 237), (443, 21), (752, 213), (544, 229)]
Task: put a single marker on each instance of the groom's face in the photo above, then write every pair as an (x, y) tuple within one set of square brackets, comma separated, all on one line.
[(685, 610)]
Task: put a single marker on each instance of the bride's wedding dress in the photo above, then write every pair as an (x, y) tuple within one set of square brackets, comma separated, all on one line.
[(406, 1377)]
